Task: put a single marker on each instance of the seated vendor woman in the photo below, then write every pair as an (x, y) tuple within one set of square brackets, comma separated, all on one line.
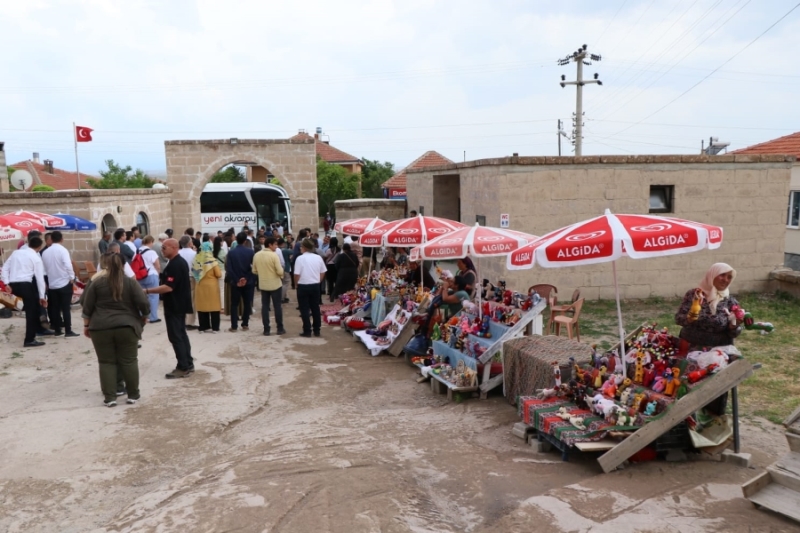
[(715, 324), (454, 293), (413, 275), (707, 320), (466, 269)]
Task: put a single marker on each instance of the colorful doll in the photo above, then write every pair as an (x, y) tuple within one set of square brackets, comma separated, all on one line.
[(556, 373), (637, 402), (671, 386), (697, 306), (650, 410), (437, 333), (649, 375), (638, 374), (683, 388), (661, 381)]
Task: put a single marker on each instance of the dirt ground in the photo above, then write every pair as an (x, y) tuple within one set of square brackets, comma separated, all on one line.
[(286, 434)]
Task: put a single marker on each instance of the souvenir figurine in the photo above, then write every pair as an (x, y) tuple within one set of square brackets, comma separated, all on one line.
[(596, 361), (487, 309), (660, 365), (623, 398), (750, 323), (649, 375), (507, 295), (697, 375), (623, 418), (697, 306), (683, 388), (626, 382), (546, 393), (556, 373), (650, 410), (453, 337), (437, 333), (597, 377), (637, 402), (660, 382), (484, 331), (573, 372), (671, 386), (638, 374), (609, 388)]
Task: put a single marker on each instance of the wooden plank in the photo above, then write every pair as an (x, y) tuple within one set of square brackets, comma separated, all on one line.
[(721, 382), (598, 446), (785, 477), (756, 484), (792, 417), (779, 499), (789, 463), (794, 441)]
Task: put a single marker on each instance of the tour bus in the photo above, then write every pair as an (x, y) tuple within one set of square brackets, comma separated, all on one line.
[(226, 205)]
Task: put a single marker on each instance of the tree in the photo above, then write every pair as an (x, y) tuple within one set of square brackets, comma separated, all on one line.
[(373, 175), (334, 183), (229, 174), (119, 177)]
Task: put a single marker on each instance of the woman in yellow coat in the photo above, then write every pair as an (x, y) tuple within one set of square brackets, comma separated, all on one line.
[(207, 274)]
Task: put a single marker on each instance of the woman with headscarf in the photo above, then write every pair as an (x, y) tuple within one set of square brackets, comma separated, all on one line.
[(115, 309), (207, 274), (715, 324), (466, 269)]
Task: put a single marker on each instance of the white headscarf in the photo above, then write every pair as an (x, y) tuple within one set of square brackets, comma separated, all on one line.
[(713, 296)]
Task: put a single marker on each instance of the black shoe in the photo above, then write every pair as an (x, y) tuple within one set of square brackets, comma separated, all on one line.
[(285, 300), (34, 344), (44, 332), (192, 327), (306, 335), (58, 333), (71, 334), (281, 331), (267, 333), (317, 334), (298, 308), (156, 321)]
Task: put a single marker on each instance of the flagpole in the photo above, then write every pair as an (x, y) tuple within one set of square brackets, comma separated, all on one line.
[(77, 167)]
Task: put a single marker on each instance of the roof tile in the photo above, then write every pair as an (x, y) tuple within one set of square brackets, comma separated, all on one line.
[(430, 158), (60, 180), (327, 152), (788, 145)]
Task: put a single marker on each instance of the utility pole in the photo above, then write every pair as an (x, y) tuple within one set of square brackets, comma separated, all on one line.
[(558, 134), (581, 57)]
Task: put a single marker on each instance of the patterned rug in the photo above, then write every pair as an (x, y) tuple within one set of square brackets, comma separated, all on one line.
[(542, 415)]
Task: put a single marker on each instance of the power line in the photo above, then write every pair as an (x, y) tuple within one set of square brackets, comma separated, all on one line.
[(611, 21), (713, 71)]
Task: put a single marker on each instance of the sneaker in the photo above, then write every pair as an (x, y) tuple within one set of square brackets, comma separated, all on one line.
[(308, 335), (112, 403), (58, 333), (156, 321), (44, 332), (121, 393), (131, 401), (281, 331), (245, 328), (178, 373), (267, 333), (233, 330), (33, 344), (71, 334)]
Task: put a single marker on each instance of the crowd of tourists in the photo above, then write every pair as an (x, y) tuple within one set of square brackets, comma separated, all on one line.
[(196, 276)]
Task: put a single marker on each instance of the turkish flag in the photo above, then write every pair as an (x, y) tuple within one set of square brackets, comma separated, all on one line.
[(83, 134)]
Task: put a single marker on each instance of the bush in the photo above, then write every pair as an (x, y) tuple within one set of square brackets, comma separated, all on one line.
[(43, 188)]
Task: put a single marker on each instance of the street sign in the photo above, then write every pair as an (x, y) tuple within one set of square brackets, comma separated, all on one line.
[(505, 220)]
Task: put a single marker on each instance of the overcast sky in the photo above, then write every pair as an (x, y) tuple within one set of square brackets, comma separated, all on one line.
[(389, 79)]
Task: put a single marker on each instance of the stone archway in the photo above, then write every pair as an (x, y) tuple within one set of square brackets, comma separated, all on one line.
[(190, 165)]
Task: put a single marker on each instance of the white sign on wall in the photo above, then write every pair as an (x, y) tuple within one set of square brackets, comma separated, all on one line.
[(505, 220)]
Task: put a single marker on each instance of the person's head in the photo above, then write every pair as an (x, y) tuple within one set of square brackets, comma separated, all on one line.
[(241, 237), (115, 266), (197, 235), (169, 233), (189, 232), (270, 242), (719, 276), (206, 237), (228, 237), (465, 264), (106, 236), (135, 231), (219, 233), (302, 234), (333, 242), (247, 243), (346, 247), (162, 237), (34, 243), (460, 283), (119, 235), (148, 240), (48, 238), (316, 235), (217, 245), (56, 237), (113, 247), (412, 213), (262, 239), (281, 242), (185, 242), (206, 247), (308, 245), (170, 248), (129, 235)]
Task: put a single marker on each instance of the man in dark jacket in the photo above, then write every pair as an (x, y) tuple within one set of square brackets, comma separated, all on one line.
[(176, 293), (127, 253), (239, 273)]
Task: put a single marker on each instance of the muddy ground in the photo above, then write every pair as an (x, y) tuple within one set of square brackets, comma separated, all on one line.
[(286, 434)]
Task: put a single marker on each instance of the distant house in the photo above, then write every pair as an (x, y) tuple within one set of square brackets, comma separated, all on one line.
[(786, 145), (395, 187), (331, 155), (44, 173)]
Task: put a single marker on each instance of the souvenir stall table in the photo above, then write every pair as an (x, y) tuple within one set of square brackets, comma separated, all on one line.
[(639, 400), (468, 340)]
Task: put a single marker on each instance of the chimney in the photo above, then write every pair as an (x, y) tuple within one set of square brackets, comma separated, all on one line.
[(48, 166), (318, 133), (35, 157)]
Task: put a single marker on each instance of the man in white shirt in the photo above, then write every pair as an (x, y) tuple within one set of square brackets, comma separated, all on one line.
[(188, 255), (60, 275), (309, 271), (151, 261), (23, 274)]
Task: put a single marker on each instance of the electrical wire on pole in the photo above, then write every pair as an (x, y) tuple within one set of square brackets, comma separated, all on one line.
[(581, 57)]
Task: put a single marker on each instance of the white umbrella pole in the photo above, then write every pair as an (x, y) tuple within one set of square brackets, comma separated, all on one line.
[(619, 317), (477, 288)]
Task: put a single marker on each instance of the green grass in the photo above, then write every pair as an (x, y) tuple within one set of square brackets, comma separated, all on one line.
[(15, 355), (773, 392)]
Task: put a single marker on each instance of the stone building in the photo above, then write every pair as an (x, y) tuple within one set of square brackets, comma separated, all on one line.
[(745, 194)]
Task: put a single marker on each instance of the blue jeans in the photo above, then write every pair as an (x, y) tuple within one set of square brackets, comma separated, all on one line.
[(151, 282)]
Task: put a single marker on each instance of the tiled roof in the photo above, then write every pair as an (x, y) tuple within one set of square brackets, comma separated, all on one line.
[(327, 152), (787, 145), (428, 159), (60, 180)]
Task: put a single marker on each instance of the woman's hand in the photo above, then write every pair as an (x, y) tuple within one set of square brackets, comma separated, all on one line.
[(731, 319), (86, 332)]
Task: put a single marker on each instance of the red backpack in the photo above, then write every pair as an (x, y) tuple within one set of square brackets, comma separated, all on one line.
[(140, 271)]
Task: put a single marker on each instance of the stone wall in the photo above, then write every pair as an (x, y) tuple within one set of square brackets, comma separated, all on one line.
[(3, 170), (190, 164), (387, 210), (122, 204), (744, 194)]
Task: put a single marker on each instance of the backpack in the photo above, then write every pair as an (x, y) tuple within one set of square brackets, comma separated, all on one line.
[(140, 271)]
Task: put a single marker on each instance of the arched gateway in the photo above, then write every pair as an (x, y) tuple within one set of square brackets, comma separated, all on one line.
[(190, 164)]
